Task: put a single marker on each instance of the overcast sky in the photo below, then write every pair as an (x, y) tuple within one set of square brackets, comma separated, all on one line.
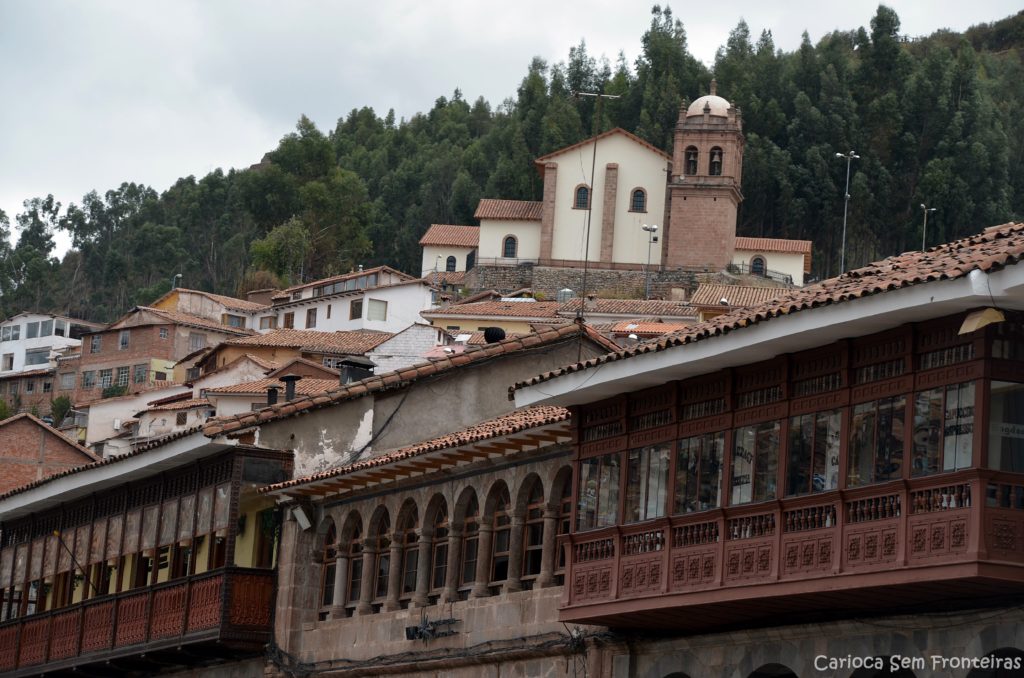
[(96, 93)]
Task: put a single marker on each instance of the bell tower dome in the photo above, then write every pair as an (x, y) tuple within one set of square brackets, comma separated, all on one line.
[(704, 189)]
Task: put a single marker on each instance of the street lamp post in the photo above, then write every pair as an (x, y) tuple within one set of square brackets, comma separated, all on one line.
[(850, 157), (651, 230), (924, 226)]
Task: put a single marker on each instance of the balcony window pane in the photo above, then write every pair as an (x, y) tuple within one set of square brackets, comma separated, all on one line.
[(149, 520), (598, 492), (699, 473), (876, 441), (221, 506), (755, 462), (1006, 427), (205, 511), (99, 540), (943, 429), (187, 517), (813, 453), (115, 527), (131, 531), (647, 482)]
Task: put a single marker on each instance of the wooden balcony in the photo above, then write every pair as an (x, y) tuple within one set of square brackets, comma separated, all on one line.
[(925, 544), (216, 616)]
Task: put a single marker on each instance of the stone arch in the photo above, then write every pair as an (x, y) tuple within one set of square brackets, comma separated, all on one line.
[(526, 488), (716, 159), (322, 528), (465, 499), (408, 514), (691, 163), (352, 528), (561, 480), (380, 521), (437, 501), (493, 495)]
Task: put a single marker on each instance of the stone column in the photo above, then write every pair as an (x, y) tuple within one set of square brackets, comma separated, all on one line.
[(340, 584), (514, 581), (483, 562), (550, 551), (547, 218), (394, 574), (611, 189), (365, 605), (451, 575), (424, 566)]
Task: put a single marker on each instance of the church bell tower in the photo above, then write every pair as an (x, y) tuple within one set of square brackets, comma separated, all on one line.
[(704, 190)]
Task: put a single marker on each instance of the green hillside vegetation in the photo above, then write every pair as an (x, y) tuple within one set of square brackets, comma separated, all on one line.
[(936, 120)]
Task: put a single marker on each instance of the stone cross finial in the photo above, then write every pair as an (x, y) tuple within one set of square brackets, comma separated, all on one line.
[(714, 87)]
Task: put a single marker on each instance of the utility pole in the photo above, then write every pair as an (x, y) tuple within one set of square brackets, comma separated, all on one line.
[(850, 157), (651, 230), (924, 226), (590, 194)]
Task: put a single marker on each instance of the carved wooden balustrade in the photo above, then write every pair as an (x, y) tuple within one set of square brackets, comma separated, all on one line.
[(224, 605), (800, 545)]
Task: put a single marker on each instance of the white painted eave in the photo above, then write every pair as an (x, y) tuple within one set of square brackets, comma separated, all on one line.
[(99, 478), (784, 334)]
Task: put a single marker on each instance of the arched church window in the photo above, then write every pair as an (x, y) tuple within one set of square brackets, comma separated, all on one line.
[(715, 167), (757, 266), (638, 201), (470, 261), (449, 265), (691, 160), (510, 247), (582, 199)]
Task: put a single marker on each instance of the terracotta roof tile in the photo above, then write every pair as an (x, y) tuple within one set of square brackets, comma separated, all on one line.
[(645, 328), (502, 309), (514, 422), (774, 245), (512, 210), (389, 380), (188, 319), (189, 404), (631, 307), (712, 295), (351, 342), (451, 235), (304, 386), (286, 293), (995, 248), (446, 277)]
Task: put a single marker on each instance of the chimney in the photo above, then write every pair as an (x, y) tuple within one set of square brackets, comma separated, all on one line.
[(354, 368), (590, 304), (272, 395), (289, 386)]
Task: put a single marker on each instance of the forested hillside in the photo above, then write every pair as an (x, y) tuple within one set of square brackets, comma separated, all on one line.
[(935, 120)]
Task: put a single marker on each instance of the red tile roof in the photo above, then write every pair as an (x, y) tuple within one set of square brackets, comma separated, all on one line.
[(617, 130), (186, 319), (286, 293), (351, 342), (631, 307), (502, 309), (189, 404), (446, 277), (712, 295), (803, 247), (514, 422), (230, 303), (304, 386), (645, 328), (993, 249), (774, 245), (511, 210), (451, 235), (405, 376)]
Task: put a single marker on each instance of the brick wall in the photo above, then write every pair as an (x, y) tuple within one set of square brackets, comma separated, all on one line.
[(30, 393), (611, 184), (548, 280), (29, 452)]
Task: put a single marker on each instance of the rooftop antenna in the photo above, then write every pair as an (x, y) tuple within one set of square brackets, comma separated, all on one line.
[(590, 204)]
